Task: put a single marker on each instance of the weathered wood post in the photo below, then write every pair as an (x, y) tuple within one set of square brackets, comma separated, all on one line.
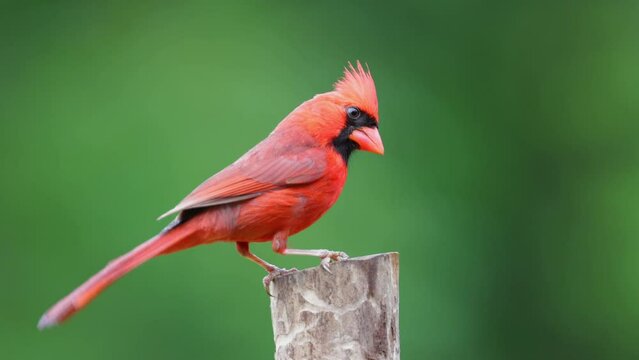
[(350, 313)]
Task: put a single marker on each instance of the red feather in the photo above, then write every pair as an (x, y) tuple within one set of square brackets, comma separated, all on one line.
[(117, 268)]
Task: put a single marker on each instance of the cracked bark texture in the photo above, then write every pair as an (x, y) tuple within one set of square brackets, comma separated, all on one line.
[(350, 313)]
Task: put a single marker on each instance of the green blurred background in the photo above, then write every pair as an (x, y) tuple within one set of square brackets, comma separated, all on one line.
[(509, 184)]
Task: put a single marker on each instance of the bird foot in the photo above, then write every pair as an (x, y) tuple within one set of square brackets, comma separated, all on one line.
[(331, 256), (272, 275)]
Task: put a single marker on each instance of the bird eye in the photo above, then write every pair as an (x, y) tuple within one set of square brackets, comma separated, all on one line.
[(353, 112)]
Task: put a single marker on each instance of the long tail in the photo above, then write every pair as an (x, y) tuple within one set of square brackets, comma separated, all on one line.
[(117, 268)]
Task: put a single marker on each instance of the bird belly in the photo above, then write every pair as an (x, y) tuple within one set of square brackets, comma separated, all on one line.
[(284, 211)]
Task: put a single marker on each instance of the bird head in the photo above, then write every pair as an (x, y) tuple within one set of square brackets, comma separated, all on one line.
[(346, 118)]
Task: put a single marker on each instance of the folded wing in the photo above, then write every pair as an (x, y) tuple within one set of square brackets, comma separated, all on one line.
[(265, 168)]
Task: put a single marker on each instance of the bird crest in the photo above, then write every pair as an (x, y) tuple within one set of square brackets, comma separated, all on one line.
[(358, 86)]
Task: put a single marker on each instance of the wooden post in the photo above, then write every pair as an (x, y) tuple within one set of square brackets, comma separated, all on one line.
[(350, 313)]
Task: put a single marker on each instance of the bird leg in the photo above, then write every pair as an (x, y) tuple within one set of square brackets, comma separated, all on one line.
[(273, 271), (326, 256), (243, 249)]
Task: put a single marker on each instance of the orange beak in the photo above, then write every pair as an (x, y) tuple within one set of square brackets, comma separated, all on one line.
[(368, 139)]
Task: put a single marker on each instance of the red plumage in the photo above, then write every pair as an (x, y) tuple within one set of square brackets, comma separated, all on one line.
[(277, 189)]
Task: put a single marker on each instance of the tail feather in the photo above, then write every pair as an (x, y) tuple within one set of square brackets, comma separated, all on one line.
[(117, 268)]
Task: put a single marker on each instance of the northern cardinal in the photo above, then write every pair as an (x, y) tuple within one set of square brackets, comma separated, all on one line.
[(277, 189)]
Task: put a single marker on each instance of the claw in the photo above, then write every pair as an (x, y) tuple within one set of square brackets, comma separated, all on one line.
[(330, 256), (326, 264), (272, 275)]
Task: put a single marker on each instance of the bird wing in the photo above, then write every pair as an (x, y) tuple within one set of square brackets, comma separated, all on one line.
[(266, 167)]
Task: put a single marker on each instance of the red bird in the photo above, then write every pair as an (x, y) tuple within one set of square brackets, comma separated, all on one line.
[(277, 189)]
